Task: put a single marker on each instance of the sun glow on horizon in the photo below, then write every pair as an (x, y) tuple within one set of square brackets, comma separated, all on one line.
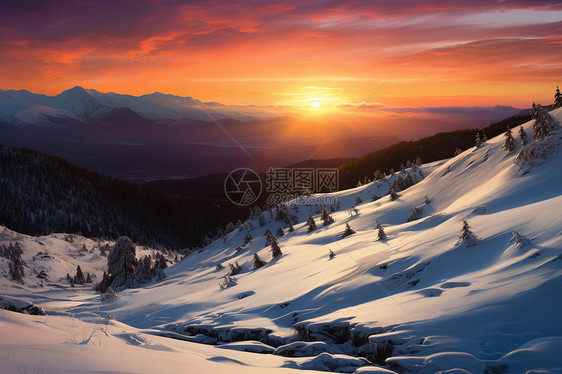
[(316, 104)]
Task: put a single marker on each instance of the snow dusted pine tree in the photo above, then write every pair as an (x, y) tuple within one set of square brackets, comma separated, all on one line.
[(348, 231), (79, 278), (381, 234), (311, 224), (508, 144), (478, 141), (544, 124), (523, 136), (416, 213), (466, 236), (235, 269), (275, 249), (16, 263), (557, 99), (326, 217), (258, 262), (121, 263)]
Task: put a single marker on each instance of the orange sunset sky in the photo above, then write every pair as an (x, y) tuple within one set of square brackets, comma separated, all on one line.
[(267, 53)]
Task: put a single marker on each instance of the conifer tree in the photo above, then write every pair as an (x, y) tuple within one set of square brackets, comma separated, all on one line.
[(261, 219), (477, 140), (326, 217), (523, 136), (348, 231), (248, 238), (275, 249), (508, 144), (79, 278), (393, 195), (415, 215), (235, 268), (88, 278), (544, 124), (279, 233), (358, 200), (15, 267), (268, 235), (258, 262), (381, 234), (466, 236), (332, 254), (311, 224), (291, 228)]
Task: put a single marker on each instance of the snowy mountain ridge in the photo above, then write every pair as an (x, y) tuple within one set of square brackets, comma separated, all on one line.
[(86, 105), (421, 300)]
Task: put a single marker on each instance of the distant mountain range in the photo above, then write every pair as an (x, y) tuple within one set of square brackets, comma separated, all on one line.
[(162, 137), (86, 106)]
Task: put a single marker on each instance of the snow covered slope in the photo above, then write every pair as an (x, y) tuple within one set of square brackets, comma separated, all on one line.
[(418, 301)]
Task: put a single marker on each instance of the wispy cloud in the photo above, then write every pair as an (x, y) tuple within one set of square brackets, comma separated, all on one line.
[(279, 46)]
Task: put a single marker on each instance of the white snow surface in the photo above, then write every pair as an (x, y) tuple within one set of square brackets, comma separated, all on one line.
[(440, 305)]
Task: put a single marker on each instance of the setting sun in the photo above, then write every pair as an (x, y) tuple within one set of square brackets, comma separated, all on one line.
[(316, 104)]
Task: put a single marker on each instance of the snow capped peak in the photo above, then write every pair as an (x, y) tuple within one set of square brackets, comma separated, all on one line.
[(90, 104)]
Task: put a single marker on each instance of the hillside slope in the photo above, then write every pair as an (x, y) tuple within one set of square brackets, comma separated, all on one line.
[(418, 301), (42, 194), (417, 293)]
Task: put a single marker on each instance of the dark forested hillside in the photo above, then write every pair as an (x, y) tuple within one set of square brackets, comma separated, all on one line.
[(41, 194), (431, 148)]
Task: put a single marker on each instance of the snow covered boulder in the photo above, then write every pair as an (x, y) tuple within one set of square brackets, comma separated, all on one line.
[(332, 363), (16, 304), (540, 355), (248, 346), (304, 349), (450, 362)]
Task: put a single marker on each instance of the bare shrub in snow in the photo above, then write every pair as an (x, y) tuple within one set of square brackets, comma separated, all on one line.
[(235, 268), (519, 239), (228, 281), (415, 215)]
